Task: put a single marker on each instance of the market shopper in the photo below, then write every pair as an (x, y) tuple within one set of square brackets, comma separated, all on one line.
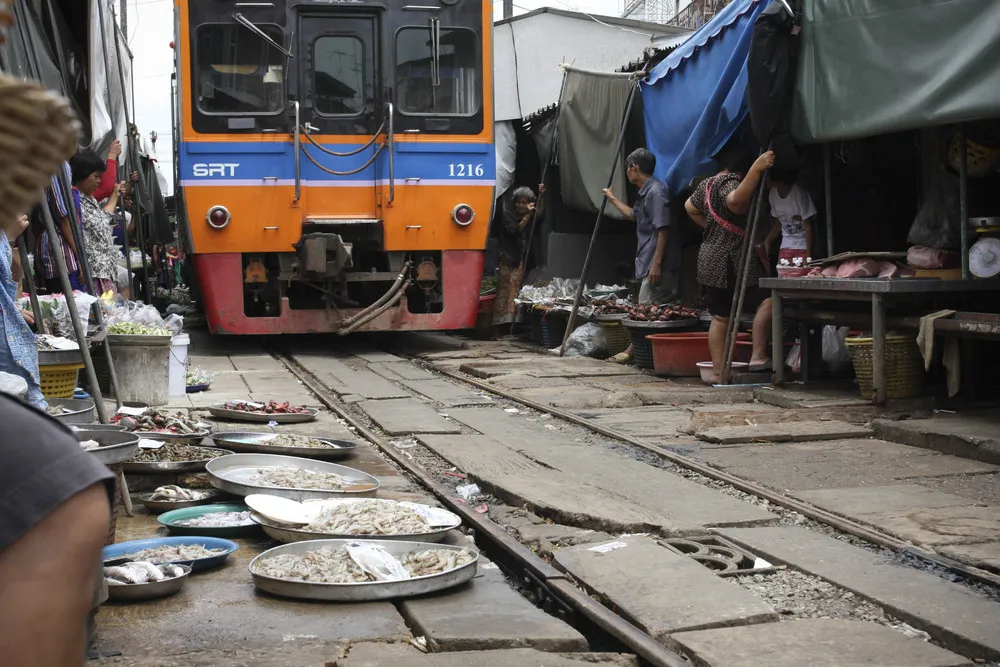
[(59, 202), (18, 350), (54, 514), (657, 256), (518, 213), (102, 254), (720, 205), (792, 214)]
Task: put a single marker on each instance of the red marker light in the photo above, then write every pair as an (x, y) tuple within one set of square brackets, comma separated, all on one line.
[(463, 215), (218, 217)]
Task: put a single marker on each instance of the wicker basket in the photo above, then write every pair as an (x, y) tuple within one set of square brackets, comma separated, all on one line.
[(59, 380), (904, 367), (617, 337)]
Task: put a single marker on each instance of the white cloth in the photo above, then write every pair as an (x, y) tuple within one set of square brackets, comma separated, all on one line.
[(792, 212)]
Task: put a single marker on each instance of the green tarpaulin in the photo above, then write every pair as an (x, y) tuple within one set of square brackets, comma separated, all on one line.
[(870, 67)]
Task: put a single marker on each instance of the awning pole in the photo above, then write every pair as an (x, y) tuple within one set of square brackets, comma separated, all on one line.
[(597, 223), (29, 279), (963, 199), (828, 196)]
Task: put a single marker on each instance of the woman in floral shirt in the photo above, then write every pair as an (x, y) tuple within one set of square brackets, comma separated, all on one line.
[(720, 205), (98, 240)]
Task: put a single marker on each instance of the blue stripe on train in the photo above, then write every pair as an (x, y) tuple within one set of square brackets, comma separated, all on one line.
[(251, 161)]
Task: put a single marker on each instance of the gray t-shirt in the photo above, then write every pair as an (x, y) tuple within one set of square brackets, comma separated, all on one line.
[(652, 213)]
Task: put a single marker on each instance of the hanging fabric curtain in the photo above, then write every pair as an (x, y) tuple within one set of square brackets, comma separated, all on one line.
[(590, 120), (696, 98), (505, 141), (107, 99)]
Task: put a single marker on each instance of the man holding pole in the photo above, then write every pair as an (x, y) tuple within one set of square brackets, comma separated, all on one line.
[(657, 260)]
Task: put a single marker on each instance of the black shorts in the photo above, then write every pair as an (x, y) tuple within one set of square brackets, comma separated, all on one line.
[(720, 301), (41, 467)]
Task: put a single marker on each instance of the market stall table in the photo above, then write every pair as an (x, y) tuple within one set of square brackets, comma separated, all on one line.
[(881, 292)]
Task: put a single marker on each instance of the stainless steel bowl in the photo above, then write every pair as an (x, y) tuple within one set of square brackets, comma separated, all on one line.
[(231, 473), (116, 446), (257, 443), (148, 591), (158, 506), (169, 467), (79, 411)]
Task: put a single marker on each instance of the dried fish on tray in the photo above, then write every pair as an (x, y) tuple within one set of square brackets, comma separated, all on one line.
[(285, 444), (172, 457), (375, 517), (245, 474), (327, 570)]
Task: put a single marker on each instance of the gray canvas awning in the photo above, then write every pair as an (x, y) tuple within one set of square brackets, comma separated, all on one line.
[(870, 67)]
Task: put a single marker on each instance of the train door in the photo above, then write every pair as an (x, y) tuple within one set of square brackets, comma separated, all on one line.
[(341, 113)]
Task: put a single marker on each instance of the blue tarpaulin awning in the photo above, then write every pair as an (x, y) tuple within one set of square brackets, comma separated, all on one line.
[(696, 98)]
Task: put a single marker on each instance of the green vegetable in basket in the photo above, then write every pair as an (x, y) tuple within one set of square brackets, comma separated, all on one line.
[(133, 329)]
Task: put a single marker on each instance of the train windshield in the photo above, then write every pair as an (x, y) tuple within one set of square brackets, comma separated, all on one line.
[(456, 65), (237, 71), (339, 75)]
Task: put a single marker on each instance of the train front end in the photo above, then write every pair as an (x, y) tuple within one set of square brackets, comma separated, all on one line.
[(335, 162)]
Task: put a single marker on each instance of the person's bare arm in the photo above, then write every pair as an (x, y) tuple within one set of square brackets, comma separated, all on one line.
[(656, 270), (113, 199), (739, 199), (809, 236), (695, 213), (618, 204), (49, 592), (773, 233)]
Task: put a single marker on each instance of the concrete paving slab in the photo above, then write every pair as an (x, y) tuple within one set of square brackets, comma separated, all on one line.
[(403, 416), (709, 416), (854, 501), (401, 370), (984, 555), (343, 379), (799, 397), (616, 472), (651, 420), (550, 493), (972, 434), (961, 620), (256, 361), (935, 527), (487, 614), (660, 591), (213, 363), (673, 392), (980, 488), (805, 431), (524, 657), (446, 393), (524, 381), (579, 397), (378, 356), (813, 642)]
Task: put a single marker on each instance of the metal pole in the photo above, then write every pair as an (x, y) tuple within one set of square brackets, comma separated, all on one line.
[(78, 326), (828, 196), (508, 8), (963, 199), (29, 279), (597, 223)]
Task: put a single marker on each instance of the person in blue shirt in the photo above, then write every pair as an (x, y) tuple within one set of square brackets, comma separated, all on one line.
[(18, 350)]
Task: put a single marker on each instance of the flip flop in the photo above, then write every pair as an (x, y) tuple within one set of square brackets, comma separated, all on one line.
[(765, 367), (621, 358)]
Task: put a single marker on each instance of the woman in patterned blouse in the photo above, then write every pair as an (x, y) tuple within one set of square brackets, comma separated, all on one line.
[(98, 240), (720, 205)]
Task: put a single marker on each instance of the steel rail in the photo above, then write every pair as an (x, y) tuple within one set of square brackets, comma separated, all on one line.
[(540, 573), (811, 511)]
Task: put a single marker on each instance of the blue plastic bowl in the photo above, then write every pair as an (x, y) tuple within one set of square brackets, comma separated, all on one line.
[(118, 550)]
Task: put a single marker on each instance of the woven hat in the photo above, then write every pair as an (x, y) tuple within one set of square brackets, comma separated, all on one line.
[(38, 132)]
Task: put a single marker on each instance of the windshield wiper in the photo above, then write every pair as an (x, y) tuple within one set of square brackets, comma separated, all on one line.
[(249, 25)]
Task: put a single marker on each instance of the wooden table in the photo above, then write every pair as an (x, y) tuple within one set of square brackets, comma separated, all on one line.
[(879, 291)]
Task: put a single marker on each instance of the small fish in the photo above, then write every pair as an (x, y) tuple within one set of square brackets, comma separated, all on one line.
[(126, 575), (172, 570), (154, 573)]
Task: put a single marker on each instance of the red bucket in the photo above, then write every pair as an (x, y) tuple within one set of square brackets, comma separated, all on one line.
[(678, 354)]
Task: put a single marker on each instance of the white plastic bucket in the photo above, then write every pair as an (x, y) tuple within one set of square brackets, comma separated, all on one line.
[(178, 364)]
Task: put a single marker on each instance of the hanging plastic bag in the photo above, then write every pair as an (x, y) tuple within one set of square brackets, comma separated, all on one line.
[(794, 360), (587, 341), (835, 352)]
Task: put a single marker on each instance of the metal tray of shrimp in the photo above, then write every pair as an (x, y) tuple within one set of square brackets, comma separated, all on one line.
[(256, 443), (232, 474), (175, 467), (192, 438), (362, 592)]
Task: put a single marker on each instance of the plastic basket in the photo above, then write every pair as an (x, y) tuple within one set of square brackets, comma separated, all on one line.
[(59, 380), (617, 337), (904, 367), (554, 328)]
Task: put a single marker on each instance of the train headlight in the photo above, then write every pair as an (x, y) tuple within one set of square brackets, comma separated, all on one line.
[(463, 215), (218, 217)]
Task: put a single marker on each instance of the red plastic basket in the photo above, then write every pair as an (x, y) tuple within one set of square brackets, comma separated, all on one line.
[(678, 354)]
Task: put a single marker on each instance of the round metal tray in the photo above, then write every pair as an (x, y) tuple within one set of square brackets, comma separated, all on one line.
[(170, 518), (119, 550), (669, 324), (612, 317), (256, 443), (377, 590), (81, 411), (157, 506), (58, 357), (148, 591), (99, 427), (116, 446), (174, 467), (231, 474), (221, 412), (193, 439), (288, 534)]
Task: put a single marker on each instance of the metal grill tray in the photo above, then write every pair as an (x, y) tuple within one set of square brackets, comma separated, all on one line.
[(363, 592), (288, 534), (256, 443), (159, 467), (231, 474), (220, 412)]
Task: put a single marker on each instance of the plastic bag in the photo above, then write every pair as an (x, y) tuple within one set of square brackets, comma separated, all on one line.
[(835, 351), (377, 562), (14, 385), (175, 323), (937, 224), (794, 360), (587, 341)]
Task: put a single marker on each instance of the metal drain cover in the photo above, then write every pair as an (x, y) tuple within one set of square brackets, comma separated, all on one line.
[(717, 554)]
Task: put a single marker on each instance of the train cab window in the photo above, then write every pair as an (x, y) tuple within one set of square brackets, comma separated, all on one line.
[(237, 72), (339, 75), (454, 91)]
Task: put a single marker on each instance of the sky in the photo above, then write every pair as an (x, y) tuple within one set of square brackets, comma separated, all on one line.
[(149, 24)]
